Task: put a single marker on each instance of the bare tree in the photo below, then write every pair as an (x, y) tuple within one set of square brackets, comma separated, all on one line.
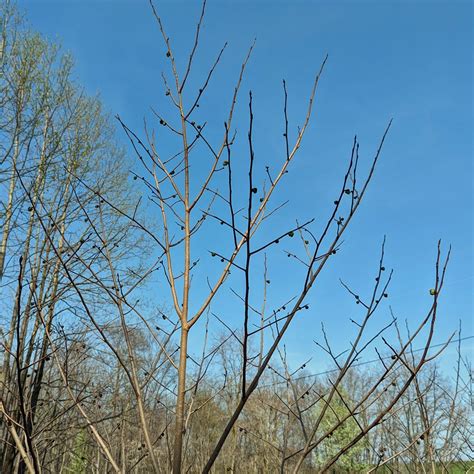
[(188, 202)]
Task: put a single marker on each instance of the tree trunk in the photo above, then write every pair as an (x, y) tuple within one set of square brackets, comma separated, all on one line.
[(179, 426)]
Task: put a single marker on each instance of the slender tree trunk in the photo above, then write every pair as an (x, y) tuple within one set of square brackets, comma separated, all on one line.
[(179, 426), (9, 209)]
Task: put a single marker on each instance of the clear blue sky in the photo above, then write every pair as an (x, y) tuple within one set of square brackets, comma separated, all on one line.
[(410, 60)]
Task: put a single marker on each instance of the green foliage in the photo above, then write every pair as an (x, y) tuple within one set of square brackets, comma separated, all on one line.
[(345, 433), (78, 463)]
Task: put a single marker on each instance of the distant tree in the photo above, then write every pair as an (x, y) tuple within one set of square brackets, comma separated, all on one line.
[(52, 137)]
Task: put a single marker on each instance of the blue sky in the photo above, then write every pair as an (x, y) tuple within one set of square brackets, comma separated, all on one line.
[(408, 60)]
